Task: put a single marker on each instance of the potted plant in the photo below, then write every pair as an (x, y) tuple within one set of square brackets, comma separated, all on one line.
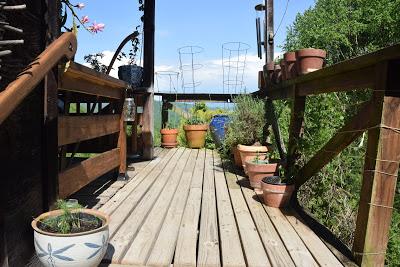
[(169, 137), (258, 168), (195, 132), (245, 131), (290, 59), (71, 236), (309, 60), (277, 190)]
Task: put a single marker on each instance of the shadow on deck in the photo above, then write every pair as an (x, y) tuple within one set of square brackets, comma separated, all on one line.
[(184, 208)]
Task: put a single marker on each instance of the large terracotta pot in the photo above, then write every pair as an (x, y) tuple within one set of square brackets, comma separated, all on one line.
[(290, 59), (249, 153), (236, 157), (168, 138), (269, 68), (84, 249), (257, 171), (196, 135), (276, 194), (309, 60)]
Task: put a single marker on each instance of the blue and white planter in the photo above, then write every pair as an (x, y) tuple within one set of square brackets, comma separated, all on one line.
[(132, 74), (84, 249)]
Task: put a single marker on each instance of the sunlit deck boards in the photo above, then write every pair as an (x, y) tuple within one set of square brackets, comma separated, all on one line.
[(184, 208)]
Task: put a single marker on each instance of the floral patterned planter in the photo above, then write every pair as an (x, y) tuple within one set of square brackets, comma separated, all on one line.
[(84, 249)]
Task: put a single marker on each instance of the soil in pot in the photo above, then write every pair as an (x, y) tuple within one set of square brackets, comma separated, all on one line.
[(257, 171), (169, 138), (275, 193), (290, 59), (87, 222), (309, 60), (196, 135), (249, 153)]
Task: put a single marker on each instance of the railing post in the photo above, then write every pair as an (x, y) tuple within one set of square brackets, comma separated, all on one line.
[(295, 131), (380, 169), (122, 142)]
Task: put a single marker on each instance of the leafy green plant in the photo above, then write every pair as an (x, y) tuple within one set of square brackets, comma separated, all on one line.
[(258, 160), (69, 221), (247, 123)]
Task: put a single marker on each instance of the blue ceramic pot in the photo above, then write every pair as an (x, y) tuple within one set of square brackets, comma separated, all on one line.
[(132, 74), (217, 128)]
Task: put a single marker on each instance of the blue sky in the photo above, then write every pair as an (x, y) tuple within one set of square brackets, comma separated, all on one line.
[(206, 23)]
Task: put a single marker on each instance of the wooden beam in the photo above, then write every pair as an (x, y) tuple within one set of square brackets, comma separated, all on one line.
[(73, 129), (344, 137), (191, 97), (295, 132), (74, 178), (77, 84), (148, 79), (380, 170)]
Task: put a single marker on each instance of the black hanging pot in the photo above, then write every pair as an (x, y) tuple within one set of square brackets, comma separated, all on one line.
[(132, 74)]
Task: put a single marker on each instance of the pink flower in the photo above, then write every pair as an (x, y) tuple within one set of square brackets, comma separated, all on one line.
[(80, 5), (85, 19), (96, 27)]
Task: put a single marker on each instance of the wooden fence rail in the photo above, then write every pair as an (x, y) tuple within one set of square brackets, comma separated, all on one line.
[(379, 71)]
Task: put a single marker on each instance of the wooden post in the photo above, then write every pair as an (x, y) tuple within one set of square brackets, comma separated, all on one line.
[(295, 132), (380, 169), (122, 141), (164, 113), (148, 79), (269, 33)]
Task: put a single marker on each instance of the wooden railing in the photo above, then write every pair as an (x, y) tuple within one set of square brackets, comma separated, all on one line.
[(91, 131), (12, 96), (380, 116)]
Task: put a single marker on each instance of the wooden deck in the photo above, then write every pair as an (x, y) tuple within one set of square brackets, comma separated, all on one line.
[(184, 208)]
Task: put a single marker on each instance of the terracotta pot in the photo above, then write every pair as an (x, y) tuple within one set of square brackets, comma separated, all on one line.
[(196, 135), (84, 249), (270, 67), (277, 77), (291, 70), (236, 157), (168, 138), (282, 63), (249, 153), (309, 60), (258, 171), (276, 195)]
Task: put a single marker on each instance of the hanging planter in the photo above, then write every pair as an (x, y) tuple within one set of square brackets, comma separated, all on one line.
[(276, 193), (83, 246), (169, 137), (309, 60), (132, 74)]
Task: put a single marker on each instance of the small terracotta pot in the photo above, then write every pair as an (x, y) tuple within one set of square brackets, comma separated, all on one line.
[(276, 195), (196, 135), (270, 67), (291, 70), (249, 153), (258, 171), (236, 157), (309, 60), (168, 138), (282, 63), (277, 77)]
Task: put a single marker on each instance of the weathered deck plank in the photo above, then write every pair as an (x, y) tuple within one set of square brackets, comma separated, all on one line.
[(120, 241), (208, 247), (140, 248), (186, 246), (231, 248), (164, 247)]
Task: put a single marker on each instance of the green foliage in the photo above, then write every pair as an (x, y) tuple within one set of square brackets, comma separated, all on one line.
[(345, 28), (247, 123), (65, 222)]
